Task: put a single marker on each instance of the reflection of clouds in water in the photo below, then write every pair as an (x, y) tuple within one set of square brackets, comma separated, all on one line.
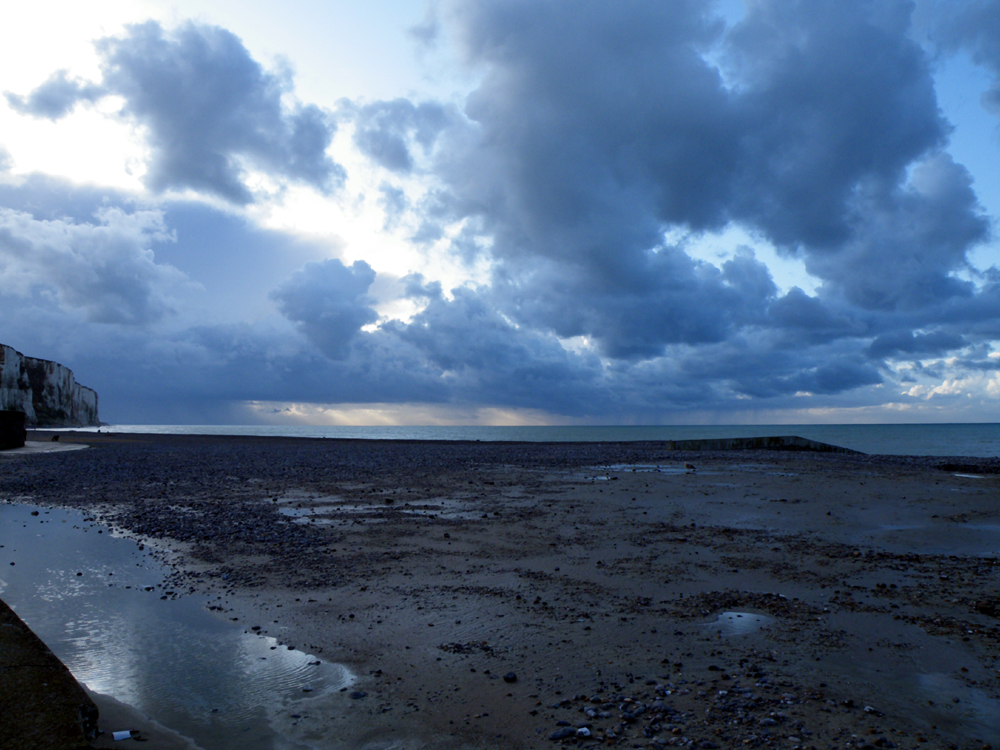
[(171, 659), (173, 653), (739, 623)]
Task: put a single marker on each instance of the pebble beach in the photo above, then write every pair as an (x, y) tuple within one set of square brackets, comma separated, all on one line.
[(530, 595)]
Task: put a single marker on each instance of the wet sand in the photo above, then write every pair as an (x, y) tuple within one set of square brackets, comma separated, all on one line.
[(495, 595)]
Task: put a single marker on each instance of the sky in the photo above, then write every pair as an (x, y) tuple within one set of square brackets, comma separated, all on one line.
[(506, 211)]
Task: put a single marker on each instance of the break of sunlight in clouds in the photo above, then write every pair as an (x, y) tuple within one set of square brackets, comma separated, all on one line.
[(371, 415), (88, 146)]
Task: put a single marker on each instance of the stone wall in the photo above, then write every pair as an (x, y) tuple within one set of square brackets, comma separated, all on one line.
[(46, 392), (42, 707)]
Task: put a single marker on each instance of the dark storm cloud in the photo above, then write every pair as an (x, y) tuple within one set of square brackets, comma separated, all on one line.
[(597, 127), (329, 302), (386, 131), (210, 109), (634, 311), (906, 245), (56, 97), (907, 343), (804, 320), (829, 97), (475, 351)]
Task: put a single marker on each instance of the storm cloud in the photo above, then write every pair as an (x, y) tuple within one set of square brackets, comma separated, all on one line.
[(590, 176), (329, 303)]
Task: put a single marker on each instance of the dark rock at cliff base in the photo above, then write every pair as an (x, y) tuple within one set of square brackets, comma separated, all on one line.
[(41, 706), (45, 392), (12, 432)]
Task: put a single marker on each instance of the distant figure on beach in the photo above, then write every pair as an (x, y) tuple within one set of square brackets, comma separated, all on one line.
[(690, 467)]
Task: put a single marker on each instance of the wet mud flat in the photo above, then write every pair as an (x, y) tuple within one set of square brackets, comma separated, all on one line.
[(538, 595)]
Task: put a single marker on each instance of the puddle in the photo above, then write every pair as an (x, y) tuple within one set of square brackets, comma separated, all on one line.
[(33, 446), (644, 468), (934, 538), (905, 667), (84, 592), (956, 703), (321, 511), (671, 469), (738, 623)]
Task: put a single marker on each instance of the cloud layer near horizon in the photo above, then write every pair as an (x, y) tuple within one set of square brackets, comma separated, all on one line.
[(601, 143)]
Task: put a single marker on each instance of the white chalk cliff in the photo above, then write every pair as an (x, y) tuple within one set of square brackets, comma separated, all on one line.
[(45, 391)]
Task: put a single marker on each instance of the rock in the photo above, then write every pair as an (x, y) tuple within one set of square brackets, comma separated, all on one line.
[(563, 734), (358, 695), (510, 677)]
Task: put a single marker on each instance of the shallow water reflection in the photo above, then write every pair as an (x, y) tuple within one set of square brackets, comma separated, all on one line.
[(95, 600), (738, 623)]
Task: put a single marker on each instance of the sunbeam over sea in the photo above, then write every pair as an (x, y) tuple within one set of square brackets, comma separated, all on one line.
[(980, 440)]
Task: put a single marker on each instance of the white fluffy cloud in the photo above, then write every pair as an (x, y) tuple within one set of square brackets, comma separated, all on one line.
[(103, 270)]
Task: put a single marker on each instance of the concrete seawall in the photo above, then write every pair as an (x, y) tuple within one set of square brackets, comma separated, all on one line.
[(783, 443), (42, 707)]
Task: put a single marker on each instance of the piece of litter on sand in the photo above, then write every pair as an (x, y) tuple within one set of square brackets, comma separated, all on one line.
[(124, 735)]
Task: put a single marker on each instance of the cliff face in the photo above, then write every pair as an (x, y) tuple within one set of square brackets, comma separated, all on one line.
[(46, 392)]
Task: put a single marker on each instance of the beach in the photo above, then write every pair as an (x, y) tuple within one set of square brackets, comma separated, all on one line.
[(511, 595)]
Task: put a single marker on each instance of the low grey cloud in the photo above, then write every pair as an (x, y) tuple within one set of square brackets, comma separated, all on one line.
[(56, 97)]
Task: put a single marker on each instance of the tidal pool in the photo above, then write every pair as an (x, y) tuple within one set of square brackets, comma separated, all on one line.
[(95, 600), (738, 623)]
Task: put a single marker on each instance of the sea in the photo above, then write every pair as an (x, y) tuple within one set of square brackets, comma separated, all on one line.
[(965, 439)]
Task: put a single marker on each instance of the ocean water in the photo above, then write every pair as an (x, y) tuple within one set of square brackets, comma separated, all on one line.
[(968, 439)]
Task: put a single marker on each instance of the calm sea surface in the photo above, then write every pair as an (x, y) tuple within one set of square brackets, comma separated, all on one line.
[(982, 440)]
